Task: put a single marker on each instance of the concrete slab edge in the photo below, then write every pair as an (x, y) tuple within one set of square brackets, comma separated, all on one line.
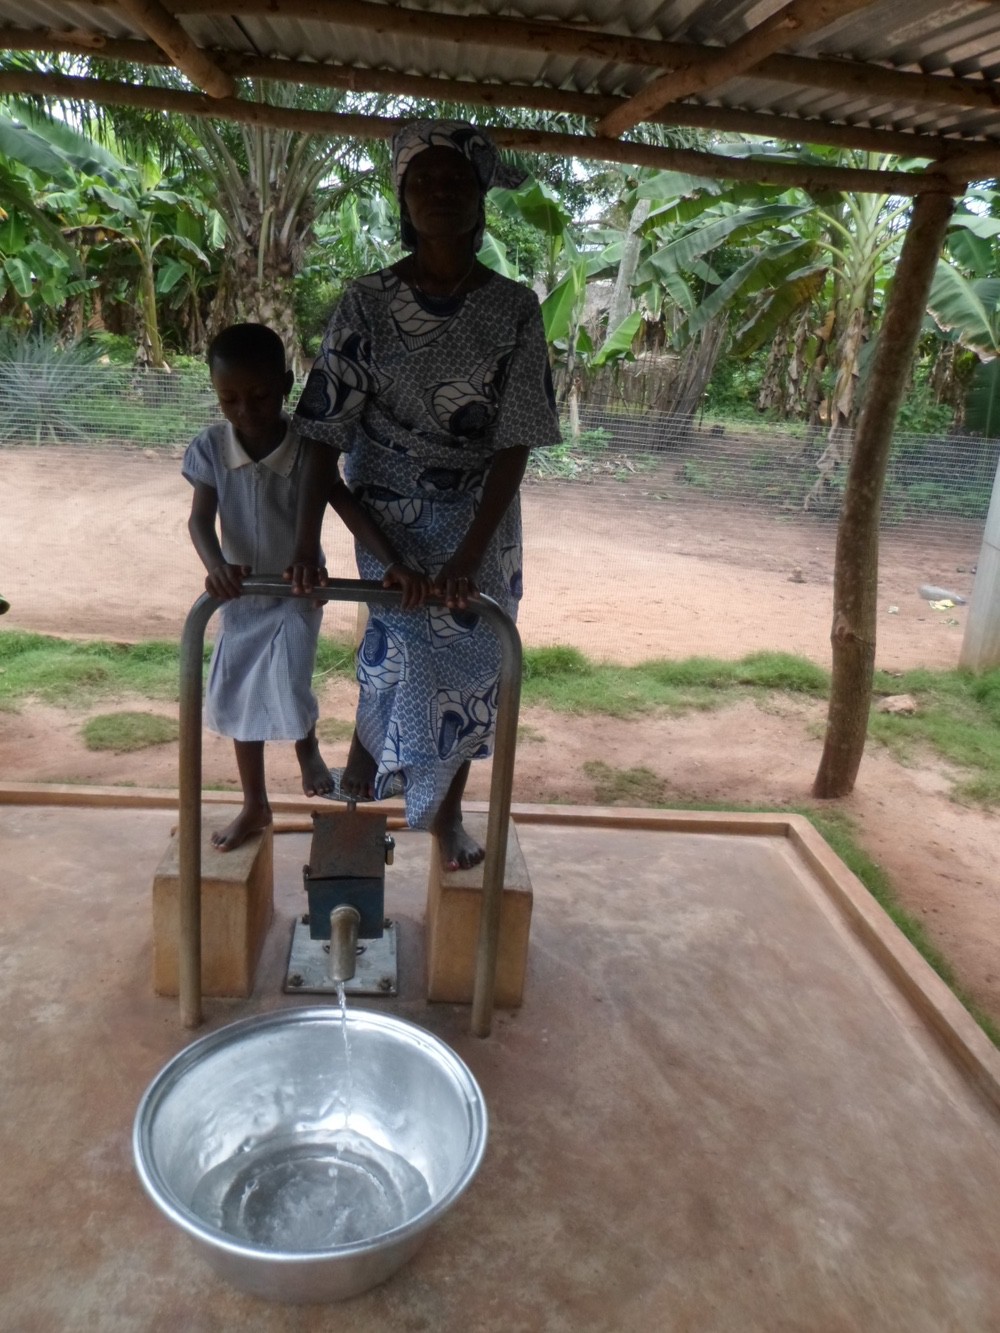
[(948, 1018), (933, 1000)]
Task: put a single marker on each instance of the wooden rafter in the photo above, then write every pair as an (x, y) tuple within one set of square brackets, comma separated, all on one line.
[(562, 39), (797, 19), (189, 58), (714, 166), (589, 105), (974, 164)]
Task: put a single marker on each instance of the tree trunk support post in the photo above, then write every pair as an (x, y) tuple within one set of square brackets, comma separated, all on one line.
[(855, 582)]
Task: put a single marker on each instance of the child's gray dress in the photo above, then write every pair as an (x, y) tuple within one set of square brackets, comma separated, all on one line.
[(260, 677)]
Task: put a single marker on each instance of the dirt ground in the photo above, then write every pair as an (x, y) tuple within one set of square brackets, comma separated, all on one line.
[(96, 545)]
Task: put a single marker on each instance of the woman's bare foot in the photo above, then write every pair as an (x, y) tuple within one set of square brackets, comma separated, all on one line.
[(316, 779), (251, 819), (458, 849), (358, 778)]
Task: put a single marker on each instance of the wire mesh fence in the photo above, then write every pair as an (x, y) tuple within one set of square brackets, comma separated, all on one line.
[(646, 534)]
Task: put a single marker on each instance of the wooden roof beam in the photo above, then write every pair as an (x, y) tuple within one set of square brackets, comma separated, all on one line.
[(795, 20), (710, 165), (974, 164), (856, 77), (533, 97), (189, 58)]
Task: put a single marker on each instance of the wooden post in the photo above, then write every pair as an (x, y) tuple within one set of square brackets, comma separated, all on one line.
[(855, 581)]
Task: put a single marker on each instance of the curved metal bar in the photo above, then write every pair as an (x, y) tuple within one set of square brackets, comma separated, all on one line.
[(189, 783)]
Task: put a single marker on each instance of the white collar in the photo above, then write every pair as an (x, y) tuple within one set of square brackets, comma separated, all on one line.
[(280, 459)]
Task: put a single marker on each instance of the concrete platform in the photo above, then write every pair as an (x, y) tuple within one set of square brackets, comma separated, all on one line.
[(732, 1100)]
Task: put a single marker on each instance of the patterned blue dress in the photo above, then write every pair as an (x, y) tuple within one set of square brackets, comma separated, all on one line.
[(420, 394)]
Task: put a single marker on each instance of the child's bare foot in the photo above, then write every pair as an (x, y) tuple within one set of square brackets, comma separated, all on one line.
[(316, 779), (251, 819), (358, 778), (458, 850)]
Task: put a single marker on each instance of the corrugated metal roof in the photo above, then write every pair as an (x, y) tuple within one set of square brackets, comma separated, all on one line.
[(960, 38)]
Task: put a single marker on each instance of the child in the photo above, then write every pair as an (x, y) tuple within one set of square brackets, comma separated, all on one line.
[(247, 473)]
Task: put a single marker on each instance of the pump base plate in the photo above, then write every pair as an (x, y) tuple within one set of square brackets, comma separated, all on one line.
[(307, 965)]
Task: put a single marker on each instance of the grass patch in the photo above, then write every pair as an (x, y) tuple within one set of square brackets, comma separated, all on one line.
[(957, 717), (126, 731), (77, 675), (625, 786), (563, 679), (335, 657), (527, 735), (332, 729)]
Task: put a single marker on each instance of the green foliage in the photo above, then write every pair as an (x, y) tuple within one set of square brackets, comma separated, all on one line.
[(782, 671), (117, 347), (732, 392), (920, 413), (335, 657), (42, 389), (572, 457), (524, 247), (315, 298), (696, 474), (982, 408), (127, 731), (555, 663)]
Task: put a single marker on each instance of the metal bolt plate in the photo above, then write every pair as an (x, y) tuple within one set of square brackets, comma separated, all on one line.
[(308, 960)]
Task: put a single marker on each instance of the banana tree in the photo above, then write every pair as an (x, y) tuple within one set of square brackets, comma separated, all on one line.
[(964, 309), (715, 260), (39, 270), (568, 266), (968, 309), (101, 201)]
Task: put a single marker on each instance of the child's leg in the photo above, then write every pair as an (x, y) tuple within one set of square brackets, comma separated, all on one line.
[(316, 780), (256, 812)]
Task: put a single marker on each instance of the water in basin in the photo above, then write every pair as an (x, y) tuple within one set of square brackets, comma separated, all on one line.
[(311, 1192)]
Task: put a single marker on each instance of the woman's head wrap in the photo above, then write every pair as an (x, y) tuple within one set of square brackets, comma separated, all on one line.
[(474, 145)]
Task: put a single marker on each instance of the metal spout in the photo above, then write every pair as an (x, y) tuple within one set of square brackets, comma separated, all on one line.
[(344, 923)]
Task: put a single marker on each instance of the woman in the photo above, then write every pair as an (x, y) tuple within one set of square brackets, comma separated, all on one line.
[(433, 380)]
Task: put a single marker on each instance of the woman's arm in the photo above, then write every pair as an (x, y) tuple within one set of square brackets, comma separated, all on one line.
[(458, 575), (319, 476), (413, 584), (361, 525)]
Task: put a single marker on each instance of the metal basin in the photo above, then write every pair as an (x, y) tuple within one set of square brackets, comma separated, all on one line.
[(309, 1157)]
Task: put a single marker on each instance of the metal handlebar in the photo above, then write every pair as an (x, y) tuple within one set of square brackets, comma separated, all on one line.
[(189, 782)]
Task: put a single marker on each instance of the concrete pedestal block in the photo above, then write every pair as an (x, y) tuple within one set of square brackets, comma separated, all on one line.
[(237, 903), (454, 906)]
